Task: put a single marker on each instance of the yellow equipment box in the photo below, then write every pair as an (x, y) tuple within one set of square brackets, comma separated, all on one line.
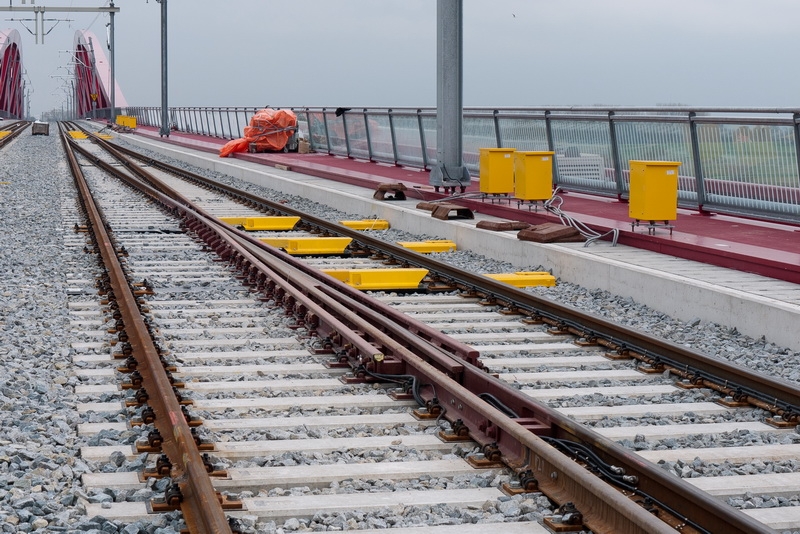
[(276, 223), (367, 224), (427, 247), (309, 245), (379, 279), (233, 221), (496, 171), (525, 278), (653, 190), (127, 121), (533, 175)]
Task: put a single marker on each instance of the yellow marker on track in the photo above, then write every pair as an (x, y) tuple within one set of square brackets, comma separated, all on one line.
[(525, 278), (379, 279), (309, 245), (252, 224), (427, 247), (367, 224)]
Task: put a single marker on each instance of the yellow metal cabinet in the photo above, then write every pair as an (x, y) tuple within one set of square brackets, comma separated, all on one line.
[(497, 171), (533, 175), (653, 190)]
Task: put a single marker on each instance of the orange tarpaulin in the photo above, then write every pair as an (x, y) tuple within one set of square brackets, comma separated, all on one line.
[(269, 129)]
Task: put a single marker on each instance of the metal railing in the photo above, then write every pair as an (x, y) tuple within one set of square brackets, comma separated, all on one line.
[(733, 160)]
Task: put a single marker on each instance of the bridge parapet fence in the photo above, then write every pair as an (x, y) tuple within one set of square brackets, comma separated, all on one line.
[(733, 160)]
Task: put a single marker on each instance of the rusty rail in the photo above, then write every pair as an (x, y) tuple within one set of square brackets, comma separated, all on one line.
[(200, 505), (16, 128)]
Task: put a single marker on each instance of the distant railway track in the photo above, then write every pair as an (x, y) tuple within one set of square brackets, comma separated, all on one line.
[(10, 131), (374, 344)]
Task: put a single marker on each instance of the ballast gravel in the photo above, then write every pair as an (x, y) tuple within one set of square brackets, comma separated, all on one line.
[(40, 464)]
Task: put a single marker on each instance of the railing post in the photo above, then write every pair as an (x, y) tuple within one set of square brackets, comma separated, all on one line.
[(615, 156), (422, 140), (548, 132), (497, 136), (230, 127), (796, 118), (700, 184), (311, 144), (238, 126), (327, 132), (346, 136), (214, 120), (394, 139), (369, 138)]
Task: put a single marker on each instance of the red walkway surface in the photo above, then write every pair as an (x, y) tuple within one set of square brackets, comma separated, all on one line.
[(768, 249)]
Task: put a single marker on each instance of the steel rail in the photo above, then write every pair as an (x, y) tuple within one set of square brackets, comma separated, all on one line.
[(542, 420), (16, 128), (212, 231), (200, 505)]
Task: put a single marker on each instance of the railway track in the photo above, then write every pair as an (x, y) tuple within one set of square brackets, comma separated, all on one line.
[(9, 130), (256, 388)]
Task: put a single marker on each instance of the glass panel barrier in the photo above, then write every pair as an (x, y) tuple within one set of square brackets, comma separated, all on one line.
[(584, 158), (407, 140), (733, 160)]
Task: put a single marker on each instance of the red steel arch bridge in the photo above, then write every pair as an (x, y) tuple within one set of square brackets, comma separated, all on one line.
[(90, 83), (12, 85)]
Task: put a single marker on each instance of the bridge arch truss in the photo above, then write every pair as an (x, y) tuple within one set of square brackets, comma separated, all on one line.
[(12, 85)]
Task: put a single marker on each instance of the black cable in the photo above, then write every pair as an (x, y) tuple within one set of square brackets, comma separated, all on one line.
[(409, 382), (572, 448), (494, 401)]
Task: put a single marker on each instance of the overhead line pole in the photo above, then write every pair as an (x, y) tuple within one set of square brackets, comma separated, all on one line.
[(449, 170), (164, 109), (113, 78)]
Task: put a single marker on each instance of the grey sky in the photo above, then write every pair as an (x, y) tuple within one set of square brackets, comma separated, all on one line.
[(383, 52)]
